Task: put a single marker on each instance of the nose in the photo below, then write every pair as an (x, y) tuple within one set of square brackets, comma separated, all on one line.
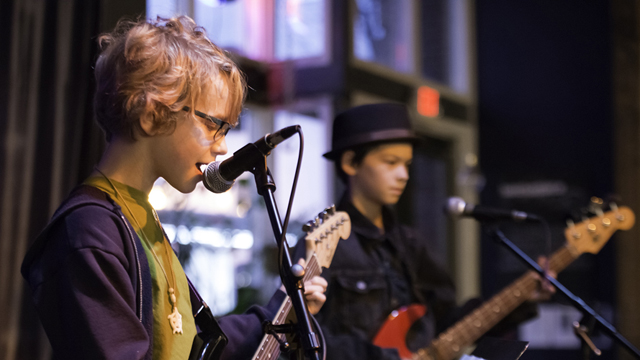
[(219, 147), (403, 173)]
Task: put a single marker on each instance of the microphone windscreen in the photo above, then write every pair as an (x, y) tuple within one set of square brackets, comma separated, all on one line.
[(213, 181), (455, 206)]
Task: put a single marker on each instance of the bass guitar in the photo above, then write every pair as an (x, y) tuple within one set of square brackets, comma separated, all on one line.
[(588, 236), (321, 240)]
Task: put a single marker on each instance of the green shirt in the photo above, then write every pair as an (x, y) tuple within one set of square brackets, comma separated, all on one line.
[(166, 345)]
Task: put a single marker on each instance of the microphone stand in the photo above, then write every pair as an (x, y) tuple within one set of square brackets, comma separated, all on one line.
[(588, 313), (291, 278)]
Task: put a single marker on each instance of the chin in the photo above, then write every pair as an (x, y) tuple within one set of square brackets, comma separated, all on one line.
[(186, 187), (392, 200)]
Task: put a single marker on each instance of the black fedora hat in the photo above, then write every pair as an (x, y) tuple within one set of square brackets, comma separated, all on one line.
[(369, 124)]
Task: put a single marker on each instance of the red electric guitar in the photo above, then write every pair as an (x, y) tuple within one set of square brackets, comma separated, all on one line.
[(321, 241), (588, 236)]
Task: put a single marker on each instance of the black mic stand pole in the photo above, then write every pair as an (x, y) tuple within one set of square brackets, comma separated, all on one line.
[(577, 302), (292, 280)]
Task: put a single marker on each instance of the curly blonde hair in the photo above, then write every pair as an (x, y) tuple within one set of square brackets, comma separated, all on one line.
[(155, 68)]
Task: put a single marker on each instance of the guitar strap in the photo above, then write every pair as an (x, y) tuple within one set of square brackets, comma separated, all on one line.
[(210, 341)]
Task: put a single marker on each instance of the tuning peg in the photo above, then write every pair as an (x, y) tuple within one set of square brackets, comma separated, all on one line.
[(571, 225), (614, 207), (591, 227), (309, 226), (331, 210), (595, 205), (323, 215)]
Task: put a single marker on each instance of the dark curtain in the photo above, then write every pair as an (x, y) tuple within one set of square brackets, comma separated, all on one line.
[(48, 137)]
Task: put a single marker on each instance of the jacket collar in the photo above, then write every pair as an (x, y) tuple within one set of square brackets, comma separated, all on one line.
[(363, 226)]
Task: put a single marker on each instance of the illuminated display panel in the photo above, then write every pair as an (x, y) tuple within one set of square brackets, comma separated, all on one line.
[(301, 29), (262, 30), (445, 42), (383, 33)]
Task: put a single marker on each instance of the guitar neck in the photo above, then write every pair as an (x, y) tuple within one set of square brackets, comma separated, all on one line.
[(269, 347), (466, 331)]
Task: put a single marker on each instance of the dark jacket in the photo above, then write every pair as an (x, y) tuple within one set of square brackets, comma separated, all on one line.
[(365, 287), (91, 285)]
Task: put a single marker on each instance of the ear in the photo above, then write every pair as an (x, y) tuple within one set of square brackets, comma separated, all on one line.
[(346, 163), (147, 125)]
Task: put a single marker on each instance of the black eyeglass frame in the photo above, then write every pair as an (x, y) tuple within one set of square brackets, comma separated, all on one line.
[(223, 125)]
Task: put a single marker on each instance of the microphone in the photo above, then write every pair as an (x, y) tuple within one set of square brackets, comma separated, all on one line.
[(457, 207), (220, 176)]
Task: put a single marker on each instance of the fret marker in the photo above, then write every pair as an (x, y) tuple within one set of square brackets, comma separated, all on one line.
[(477, 323), (496, 309), (516, 293), (456, 348)]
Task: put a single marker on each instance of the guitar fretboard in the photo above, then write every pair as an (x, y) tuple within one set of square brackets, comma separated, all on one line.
[(269, 348), (466, 331)]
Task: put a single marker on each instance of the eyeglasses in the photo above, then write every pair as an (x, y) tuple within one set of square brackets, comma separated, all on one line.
[(222, 129)]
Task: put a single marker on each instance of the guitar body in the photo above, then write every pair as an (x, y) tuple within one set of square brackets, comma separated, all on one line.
[(393, 333)]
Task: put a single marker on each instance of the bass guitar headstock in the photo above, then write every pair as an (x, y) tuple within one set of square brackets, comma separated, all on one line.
[(592, 234), (324, 233)]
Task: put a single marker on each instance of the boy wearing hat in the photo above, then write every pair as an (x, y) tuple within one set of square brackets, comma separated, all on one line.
[(104, 279), (382, 266)]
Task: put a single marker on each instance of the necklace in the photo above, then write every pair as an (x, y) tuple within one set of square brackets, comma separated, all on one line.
[(175, 318)]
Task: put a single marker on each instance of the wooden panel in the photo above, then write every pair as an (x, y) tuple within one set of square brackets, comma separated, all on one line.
[(626, 95)]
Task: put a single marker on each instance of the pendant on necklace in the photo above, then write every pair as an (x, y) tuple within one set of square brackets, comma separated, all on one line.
[(176, 321)]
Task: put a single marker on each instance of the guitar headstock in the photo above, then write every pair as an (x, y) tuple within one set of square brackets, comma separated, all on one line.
[(591, 234), (324, 232)]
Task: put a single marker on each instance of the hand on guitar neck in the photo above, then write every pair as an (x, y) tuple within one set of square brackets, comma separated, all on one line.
[(545, 290), (314, 290), (322, 238)]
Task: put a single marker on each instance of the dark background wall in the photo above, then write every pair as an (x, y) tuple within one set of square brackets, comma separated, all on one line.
[(544, 84), (545, 119)]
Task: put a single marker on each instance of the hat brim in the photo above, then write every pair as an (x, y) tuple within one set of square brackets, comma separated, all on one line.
[(386, 136)]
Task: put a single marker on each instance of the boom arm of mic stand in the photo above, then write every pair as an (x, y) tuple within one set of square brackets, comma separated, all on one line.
[(266, 187), (577, 302)]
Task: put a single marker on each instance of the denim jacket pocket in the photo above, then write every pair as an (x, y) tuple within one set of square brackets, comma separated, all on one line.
[(361, 302), (362, 284)]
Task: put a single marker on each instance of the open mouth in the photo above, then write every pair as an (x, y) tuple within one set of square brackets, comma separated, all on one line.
[(201, 167)]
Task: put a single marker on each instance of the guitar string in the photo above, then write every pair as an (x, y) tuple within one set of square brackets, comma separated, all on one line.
[(467, 330), (272, 344), (560, 260), (525, 285)]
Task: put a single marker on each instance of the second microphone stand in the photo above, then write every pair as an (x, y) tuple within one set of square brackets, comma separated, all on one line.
[(578, 303)]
